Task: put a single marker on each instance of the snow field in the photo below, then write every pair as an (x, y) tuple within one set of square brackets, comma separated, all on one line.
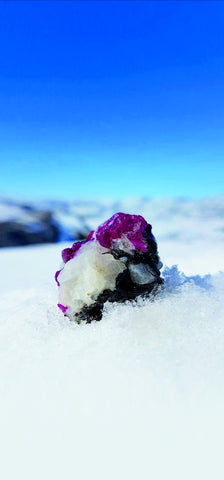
[(137, 395)]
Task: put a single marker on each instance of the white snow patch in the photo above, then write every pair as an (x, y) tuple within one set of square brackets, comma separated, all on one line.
[(138, 395)]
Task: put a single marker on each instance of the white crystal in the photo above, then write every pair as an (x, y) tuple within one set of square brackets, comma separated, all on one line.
[(89, 273), (141, 273)]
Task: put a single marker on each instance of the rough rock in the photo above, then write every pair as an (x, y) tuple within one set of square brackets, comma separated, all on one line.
[(117, 262)]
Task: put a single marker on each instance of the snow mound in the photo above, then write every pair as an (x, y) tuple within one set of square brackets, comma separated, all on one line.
[(137, 395)]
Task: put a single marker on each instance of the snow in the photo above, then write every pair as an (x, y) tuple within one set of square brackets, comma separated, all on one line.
[(137, 395)]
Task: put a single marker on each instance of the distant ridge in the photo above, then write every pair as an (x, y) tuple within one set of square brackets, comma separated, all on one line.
[(24, 223)]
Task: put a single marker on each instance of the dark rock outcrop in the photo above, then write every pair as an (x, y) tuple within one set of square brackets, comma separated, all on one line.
[(36, 227)]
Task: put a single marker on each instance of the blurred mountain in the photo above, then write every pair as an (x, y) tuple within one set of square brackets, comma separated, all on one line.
[(52, 221)]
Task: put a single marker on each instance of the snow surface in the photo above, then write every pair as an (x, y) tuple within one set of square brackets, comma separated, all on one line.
[(138, 395)]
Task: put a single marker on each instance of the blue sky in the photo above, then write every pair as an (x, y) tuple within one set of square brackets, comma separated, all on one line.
[(111, 98)]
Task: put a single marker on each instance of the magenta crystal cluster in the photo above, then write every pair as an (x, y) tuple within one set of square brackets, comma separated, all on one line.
[(117, 262), (123, 224)]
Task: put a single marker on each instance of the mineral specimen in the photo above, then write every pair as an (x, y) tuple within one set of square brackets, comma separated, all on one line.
[(117, 262)]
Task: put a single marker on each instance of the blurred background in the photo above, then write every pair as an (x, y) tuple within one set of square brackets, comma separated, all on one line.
[(108, 106)]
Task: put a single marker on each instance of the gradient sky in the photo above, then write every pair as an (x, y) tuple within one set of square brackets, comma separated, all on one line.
[(111, 98)]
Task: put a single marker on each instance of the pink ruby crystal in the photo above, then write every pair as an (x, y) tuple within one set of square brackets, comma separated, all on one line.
[(120, 224)]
